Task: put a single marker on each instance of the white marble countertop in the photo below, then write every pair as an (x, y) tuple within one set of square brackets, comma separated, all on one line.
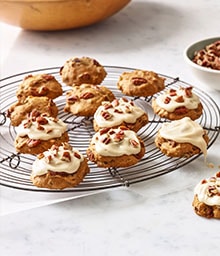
[(150, 218)]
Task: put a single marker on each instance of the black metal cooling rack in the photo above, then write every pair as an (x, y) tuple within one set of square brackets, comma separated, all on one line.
[(15, 168)]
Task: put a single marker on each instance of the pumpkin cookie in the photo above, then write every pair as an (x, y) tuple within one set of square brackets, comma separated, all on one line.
[(182, 138), (20, 110), (83, 100), (119, 147), (175, 104), (206, 202), (39, 85), (140, 83), (119, 112), (59, 167), (85, 70), (39, 132)]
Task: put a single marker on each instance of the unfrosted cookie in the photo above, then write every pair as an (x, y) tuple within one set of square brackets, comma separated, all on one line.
[(120, 112), (175, 104), (39, 132), (83, 100), (206, 202), (182, 138), (20, 110), (140, 83), (83, 70), (119, 147), (39, 85), (59, 167)]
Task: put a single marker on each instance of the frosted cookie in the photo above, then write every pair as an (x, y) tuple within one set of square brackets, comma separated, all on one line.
[(206, 202), (140, 83), (119, 112), (83, 70), (59, 167), (20, 110), (83, 100), (39, 85), (175, 104), (182, 138), (117, 147), (39, 132)]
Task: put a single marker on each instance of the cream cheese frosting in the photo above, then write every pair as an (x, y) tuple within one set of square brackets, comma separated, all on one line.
[(184, 130), (182, 97), (41, 128), (58, 159), (111, 114), (208, 190), (116, 142)]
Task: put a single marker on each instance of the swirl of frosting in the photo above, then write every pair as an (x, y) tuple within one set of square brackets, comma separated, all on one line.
[(184, 130), (208, 190), (111, 114), (42, 127), (182, 97), (116, 142), (58, 159)]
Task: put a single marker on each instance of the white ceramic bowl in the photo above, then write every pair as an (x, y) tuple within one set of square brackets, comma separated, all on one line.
[(207, 76)]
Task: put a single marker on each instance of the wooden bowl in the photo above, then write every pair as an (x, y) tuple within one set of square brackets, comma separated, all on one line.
[(57, 14)]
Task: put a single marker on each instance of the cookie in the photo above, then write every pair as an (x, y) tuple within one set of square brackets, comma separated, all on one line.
[(39, 132), (206, 202), (140, 83), (182, 138), (175, 104), (83, 100), (119, 147), (120, 112), (59, 167), (39, 85), (85, 70), (19, 111)]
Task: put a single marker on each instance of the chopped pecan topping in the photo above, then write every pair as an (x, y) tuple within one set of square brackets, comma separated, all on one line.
[(218, 174), (72, 98), (172, 92), (41, 120), (107, 105), (115, 103), (134, 143), (167, 100), (119, 111), (204, 181), (33, 143), (66, 156), (106, 140), (104, 130), (138, 80), (27, 124), (77, 155), (87, 95), (40, 127), (179, 99), (188, 92), (119, 136), (48, 159), (106, 115)]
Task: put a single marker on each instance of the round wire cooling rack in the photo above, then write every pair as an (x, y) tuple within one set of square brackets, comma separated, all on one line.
[(15, 168)]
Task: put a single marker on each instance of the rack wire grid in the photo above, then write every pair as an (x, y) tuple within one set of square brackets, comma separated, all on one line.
[(15, 168)]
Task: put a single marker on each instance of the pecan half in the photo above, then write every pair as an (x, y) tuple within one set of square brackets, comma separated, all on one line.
[(87, 95), (33, 143), (138, 80)]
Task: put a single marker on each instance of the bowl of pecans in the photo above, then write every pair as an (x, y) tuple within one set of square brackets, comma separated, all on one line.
[(203, 57)]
